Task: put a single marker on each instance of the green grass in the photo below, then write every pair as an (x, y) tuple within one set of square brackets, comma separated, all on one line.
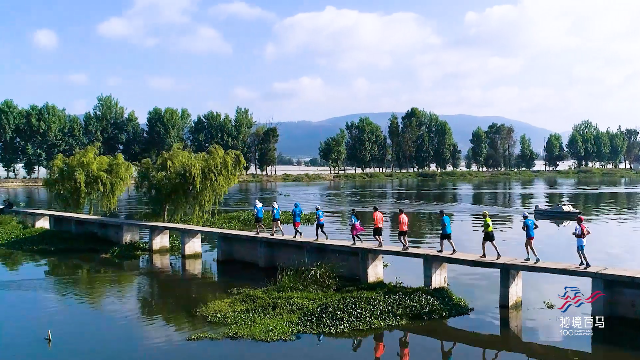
[(313, 301), (449, 174), (15, 235)]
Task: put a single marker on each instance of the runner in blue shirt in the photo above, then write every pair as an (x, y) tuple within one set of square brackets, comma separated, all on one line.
[(320, 223), (445, 225), (275, 220), (528, 226), (259, 214), (296, 213)]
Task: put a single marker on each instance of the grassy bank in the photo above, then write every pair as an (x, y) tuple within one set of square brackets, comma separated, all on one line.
[(15, 235), (313, 301)]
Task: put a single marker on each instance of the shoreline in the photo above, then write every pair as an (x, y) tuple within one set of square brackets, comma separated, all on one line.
[(396, 175)]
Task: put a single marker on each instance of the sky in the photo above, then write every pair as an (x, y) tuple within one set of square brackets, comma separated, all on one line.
[(551, 63)]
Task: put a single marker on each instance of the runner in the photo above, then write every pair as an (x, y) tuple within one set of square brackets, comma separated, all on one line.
[(354, 222), (487, 230), (259, 213), (275, 220), (378, 347), (403, 342), (445, 225), (403, 228), (297, 215), (448, 354), (377, 225), (581, 232), (528, 226), (320, 223)]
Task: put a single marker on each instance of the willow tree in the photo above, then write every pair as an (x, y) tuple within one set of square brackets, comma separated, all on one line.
[(88, 179), (182, 183)]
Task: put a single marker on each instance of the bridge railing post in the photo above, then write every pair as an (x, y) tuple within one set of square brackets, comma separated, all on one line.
[(435, 273), (371, 267)]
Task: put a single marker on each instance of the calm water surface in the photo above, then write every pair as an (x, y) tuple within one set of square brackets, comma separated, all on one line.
[(98, 309)]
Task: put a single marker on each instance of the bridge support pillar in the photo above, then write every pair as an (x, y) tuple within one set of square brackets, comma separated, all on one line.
[(511, 324), (621, 299), (371, 267), (510, 288), (38, 221), (191, 243), (161, 261), (435, 273), (192, 267), (158, 239)]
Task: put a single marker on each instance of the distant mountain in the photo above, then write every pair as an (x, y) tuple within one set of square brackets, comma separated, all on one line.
[(302, 138)]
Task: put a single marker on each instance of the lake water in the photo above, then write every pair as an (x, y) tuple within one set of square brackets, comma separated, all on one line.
[(98, 309)]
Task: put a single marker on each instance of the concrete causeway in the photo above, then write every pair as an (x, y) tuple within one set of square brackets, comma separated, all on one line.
[(364, 261)]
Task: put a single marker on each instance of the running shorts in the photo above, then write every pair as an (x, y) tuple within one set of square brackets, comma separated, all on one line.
[(402, 233), (445, 236), (296, 224), (581, 248), (489, 236), (377, 231), (320, 226), (258, 220)]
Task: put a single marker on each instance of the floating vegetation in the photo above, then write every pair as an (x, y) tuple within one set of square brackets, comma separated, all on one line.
[(312, 301), (549, 305)]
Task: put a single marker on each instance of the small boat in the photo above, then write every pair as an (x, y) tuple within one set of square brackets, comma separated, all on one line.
[(559, 211), (590, 188)]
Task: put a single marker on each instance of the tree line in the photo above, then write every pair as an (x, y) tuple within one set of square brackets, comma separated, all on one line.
[(420, 140), (34, 135), (417, 140)]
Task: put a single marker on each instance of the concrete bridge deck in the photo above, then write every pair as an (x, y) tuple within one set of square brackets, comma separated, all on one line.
[(621, 287)]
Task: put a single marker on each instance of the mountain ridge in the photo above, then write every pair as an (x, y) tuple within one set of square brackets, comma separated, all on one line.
[(302, 138)]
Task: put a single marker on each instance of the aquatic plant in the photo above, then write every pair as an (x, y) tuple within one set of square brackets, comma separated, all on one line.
[(294, 305)]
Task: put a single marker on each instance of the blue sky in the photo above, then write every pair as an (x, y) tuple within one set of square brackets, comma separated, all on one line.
[(546, 62)]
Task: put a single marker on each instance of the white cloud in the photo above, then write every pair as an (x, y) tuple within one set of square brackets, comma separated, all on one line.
[(45, 39), (114, 81), (350, 39), (78, 78), (161, 83), (546, 62), (242, 93), (204, 39), (241, 10), (78, 107), (151, 22)]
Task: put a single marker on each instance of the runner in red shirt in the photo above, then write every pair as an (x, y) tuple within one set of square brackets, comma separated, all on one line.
[(377, 225), (403, 228)]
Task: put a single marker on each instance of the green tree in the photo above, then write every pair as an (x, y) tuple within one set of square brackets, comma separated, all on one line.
[(333, 150), (393, 131), (212, 128), (413, 122), (478, 147), (134, 146), (456, 156), (42, 136), (88, 179), (526, 158), (11, 119), (266, 154), (243, 124), (442, 143), (166, 128), (617, 146), (363, 140), (603, 147), (554, 151), (253, 144), (106, 125), (633, 145), (581, 144), (73, 136), (468, 159), (182, 183), (500, 146)]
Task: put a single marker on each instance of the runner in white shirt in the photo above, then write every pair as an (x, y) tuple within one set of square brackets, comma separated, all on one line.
[(581, 232)]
